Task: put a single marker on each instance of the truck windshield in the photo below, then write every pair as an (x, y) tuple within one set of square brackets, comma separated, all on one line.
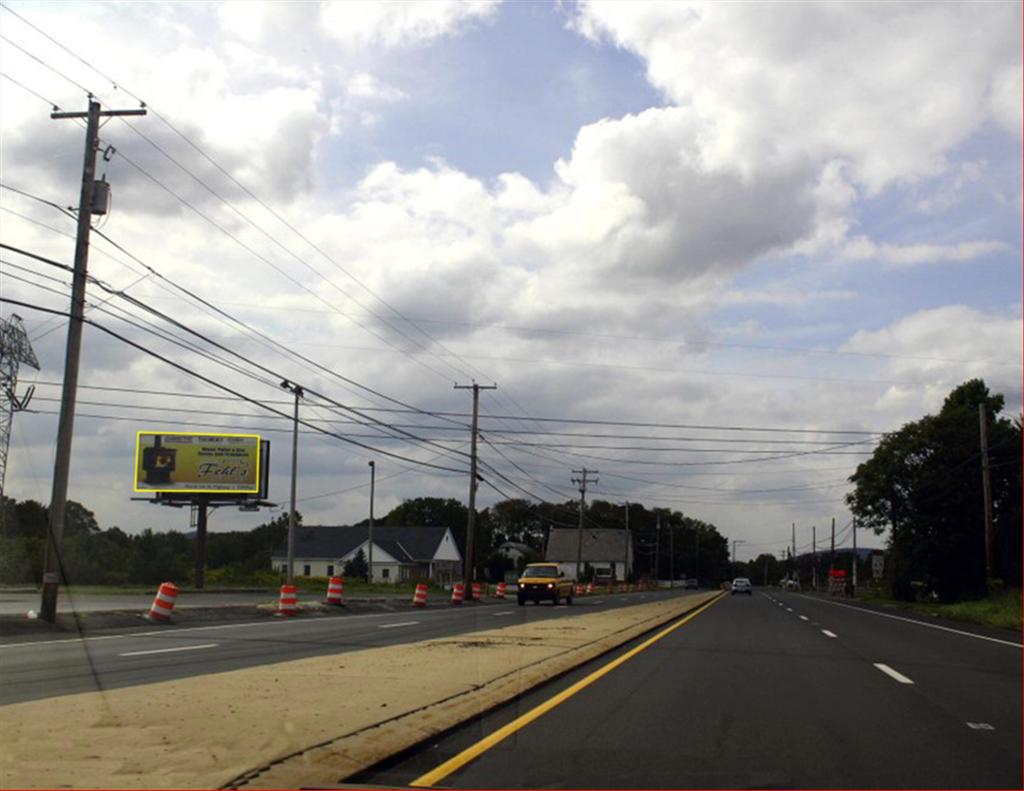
[(540, 571)]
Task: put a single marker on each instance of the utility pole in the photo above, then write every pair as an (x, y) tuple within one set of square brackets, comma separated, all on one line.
[(735, 541), (469, 572), (832, 560), (625, 548), (854, 556), (696, 553), (657, 548), (986, 484), (671, 556), (766, 571), (298, 393), (814, 555), (582, 481), (52, 570), (369, 539)]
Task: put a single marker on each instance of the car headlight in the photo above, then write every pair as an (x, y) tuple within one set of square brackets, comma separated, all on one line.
[(551, 585)]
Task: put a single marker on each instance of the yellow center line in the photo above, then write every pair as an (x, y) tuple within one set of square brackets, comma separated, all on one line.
[(455, 763)]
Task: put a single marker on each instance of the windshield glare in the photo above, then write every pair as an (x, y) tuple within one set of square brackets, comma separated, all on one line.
[(540, 571)]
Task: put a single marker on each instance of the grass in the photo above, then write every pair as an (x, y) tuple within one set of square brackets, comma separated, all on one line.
[(1001, 609)]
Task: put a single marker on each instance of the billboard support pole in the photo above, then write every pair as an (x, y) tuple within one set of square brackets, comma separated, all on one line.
[(202, 502)]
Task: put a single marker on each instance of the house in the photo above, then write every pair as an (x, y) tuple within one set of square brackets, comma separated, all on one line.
[(603, 548), (399, 553)]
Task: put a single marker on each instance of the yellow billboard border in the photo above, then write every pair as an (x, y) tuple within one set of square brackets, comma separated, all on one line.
[(239, 492)]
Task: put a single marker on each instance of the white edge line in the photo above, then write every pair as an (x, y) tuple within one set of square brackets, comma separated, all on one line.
[(919, 623), (893, 673), (170, 650), (154, 633)]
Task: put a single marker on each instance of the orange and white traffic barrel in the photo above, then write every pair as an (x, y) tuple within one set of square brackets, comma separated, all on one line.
[(476, 591), (419, 598), (579, 589), (458, 593), (289, 601), (500, 592), (163, 602), (590, 588), (336, 591)]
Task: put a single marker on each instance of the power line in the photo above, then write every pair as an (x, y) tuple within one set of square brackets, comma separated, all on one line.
[(213, 383)]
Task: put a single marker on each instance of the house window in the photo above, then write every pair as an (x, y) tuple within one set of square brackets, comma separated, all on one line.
[(305, 570), (330, 569), (385, 573)]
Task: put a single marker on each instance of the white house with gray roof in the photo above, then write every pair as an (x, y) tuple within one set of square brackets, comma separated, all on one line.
[(603, 548), (399, 553)]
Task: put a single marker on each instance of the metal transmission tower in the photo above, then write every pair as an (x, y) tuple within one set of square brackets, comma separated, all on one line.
[(15, 349)]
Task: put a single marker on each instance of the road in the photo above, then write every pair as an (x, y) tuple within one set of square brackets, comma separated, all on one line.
[(20, 602), (774, 690), (38, 669)]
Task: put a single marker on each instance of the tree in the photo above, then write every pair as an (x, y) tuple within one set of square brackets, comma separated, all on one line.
[(924, 483), (356, 567)]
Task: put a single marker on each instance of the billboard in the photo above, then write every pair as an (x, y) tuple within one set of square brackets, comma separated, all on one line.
[(196, 463)]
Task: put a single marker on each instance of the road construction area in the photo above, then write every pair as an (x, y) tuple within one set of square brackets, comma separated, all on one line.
[(240, 708)]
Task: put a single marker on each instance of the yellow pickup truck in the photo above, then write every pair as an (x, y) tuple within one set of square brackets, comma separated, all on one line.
[(544, 581)]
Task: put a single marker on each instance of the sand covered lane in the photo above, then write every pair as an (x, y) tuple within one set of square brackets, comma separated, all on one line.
[(304, 722)]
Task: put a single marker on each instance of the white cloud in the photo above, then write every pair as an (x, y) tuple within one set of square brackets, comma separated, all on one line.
[(889, 87), (940, 346), (903, 255), (403, 22), (366, 86)]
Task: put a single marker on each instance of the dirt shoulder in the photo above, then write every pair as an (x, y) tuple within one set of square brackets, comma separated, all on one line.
[(308, 722)]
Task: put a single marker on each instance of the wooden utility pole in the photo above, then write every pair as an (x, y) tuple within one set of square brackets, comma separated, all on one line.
[(986, 485), (582, 481), (468, 570), (52, 566), (625, 548)]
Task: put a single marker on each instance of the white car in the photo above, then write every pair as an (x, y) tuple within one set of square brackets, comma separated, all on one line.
[(742, 585)]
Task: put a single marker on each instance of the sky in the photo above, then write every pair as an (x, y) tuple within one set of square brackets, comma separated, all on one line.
[(743, 240)]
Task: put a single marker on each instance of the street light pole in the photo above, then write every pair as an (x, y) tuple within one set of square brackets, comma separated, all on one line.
[(297, 391), (369, 542)]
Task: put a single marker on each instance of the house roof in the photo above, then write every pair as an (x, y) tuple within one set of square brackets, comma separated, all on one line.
[(406, 544), (599, 544)]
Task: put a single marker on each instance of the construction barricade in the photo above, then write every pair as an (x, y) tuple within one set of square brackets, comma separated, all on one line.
[(419, 598), (458, 593), (590, 588), (579, 589), (475, 591), (163, 602), (336, 591), (288, 604), (499, 593)]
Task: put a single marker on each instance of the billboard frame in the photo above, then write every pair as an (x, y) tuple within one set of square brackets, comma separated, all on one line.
[(230, 494)]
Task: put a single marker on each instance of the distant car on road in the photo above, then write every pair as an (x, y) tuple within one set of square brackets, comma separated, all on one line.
[(742, 585), (542, 581), (691, 584)]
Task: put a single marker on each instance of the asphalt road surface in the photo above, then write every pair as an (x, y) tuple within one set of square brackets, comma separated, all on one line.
[(773, 690), (32, 669)]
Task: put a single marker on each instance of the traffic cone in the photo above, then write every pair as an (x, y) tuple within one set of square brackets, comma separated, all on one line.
[(163, 602), (336, 591), (500, 592), (458, 593), (289, 601), (419, 598)]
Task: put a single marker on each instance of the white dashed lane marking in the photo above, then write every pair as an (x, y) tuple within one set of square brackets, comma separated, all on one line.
[(170, 650), (894, 674), (803, 617), (827, 633), (396, 625)]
